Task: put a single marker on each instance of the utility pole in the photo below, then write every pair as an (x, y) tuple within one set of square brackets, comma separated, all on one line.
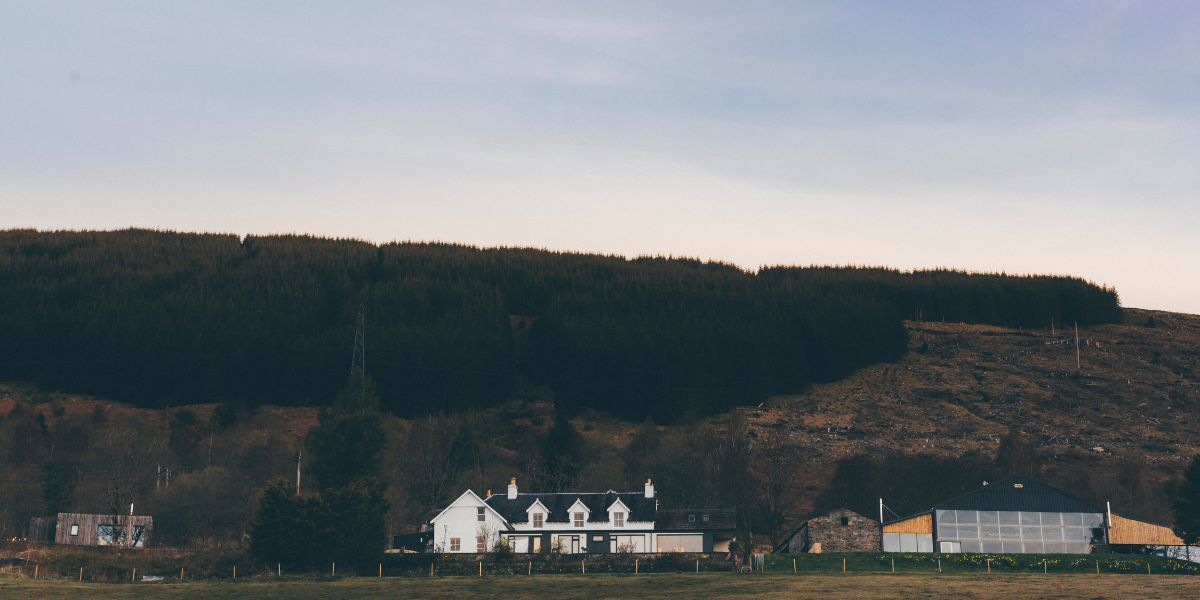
[(358, 359), (1077, 347), (297, 459)]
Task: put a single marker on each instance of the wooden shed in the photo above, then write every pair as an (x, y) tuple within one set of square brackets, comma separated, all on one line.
[(77, 529)]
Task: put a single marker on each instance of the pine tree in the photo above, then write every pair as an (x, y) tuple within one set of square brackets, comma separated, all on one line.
[(1014, 456), (283, 527), (346, 443), (1187, 505)]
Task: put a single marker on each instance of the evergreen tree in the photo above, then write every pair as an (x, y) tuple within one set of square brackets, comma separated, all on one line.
[(1187, 505), (346, 443), (345, 519), (283, 528), (1014, 456)]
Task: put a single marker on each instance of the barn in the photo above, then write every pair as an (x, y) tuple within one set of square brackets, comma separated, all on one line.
[(1020, 515), (842, 530)]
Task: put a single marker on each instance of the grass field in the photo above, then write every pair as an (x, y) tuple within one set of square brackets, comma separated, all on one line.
[(643, 587)]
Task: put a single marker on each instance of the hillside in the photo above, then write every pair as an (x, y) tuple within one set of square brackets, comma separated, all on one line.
[(1120, 430), (961, 386)]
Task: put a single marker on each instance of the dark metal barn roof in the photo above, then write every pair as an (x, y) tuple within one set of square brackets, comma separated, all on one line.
[(1019, 493)]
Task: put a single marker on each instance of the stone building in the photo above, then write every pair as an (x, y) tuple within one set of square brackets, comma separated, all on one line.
[(839, 531)]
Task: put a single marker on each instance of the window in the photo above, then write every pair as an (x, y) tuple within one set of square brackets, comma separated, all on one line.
[(480, 544), (618, 519), (537, 520), (455, 544), (106, 533), (691, 518), (845, 521), (74, 529), (479, 515), (705, 518), (579, 519)]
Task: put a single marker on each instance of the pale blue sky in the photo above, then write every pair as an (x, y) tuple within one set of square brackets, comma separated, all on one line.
[(1019, 136)]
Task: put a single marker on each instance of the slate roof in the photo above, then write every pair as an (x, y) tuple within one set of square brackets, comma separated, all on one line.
[(641, 508), (1032, 496), (677, 520)]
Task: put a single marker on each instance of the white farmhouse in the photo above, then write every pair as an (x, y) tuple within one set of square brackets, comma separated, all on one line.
[(576, 523)]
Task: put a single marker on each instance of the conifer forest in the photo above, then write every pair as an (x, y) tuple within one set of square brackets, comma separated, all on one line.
[(159, 319)]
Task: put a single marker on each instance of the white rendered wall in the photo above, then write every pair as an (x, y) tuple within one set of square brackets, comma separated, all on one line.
[(461, 520)]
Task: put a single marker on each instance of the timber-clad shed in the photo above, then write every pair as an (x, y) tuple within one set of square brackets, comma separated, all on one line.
[(515, 510), (77, 529)]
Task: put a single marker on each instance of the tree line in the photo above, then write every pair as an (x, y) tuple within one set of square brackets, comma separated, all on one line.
[(227, 479), (159, 318)]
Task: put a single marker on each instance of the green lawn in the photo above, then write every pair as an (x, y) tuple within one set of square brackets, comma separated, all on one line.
[(873, 562), (643, 587)]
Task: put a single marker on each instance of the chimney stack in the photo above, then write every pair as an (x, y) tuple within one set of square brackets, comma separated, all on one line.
[(512, 489), (649, 489)]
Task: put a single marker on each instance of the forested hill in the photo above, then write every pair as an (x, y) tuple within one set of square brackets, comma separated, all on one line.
[(161, 318)]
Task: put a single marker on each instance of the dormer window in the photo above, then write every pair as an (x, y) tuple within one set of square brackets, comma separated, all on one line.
[(578, 519), (705, 518), (691, 518), (618, 519), (538, 520), (479, 515)]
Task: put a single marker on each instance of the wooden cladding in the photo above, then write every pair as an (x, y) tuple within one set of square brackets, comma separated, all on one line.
[(1129, 531), (918, 524), (86, 529)]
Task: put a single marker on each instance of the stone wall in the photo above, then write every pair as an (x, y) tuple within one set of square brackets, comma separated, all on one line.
[(859, 534)]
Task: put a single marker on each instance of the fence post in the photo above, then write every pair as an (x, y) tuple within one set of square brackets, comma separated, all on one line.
[(843, 565), (1097, 566), (989, 565), (35, 570), (381, 570), (481, 568), (235, 571), (81, 574), (939, 565), (698, 565), (134, 576), (279, 569), (1147, 567), (635, 566), (583, 567), (530, 568), (1045, 569), (793, 565), (893, 565), (181, 574)]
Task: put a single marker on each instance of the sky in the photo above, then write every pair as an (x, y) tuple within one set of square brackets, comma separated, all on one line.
[(1024, 137)]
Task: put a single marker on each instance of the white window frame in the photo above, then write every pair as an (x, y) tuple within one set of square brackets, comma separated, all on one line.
[(480, 543), (539, 520), (578, 519), (618, 519), (455, 544), (481, 514)]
